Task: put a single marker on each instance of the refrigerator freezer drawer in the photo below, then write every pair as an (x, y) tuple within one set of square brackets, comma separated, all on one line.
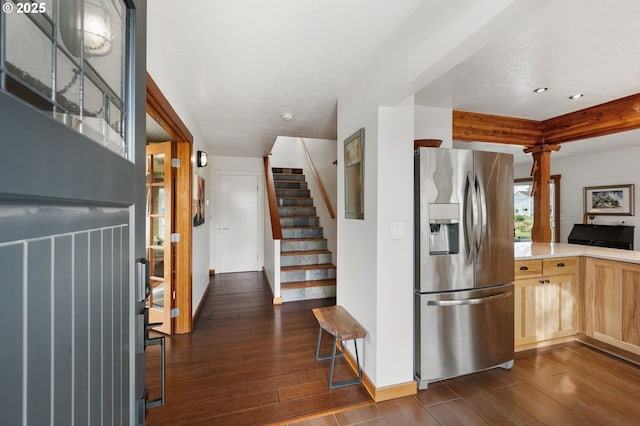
[(462, 332)]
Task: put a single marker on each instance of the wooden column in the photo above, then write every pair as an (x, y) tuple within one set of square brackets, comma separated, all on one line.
[(541, 173)]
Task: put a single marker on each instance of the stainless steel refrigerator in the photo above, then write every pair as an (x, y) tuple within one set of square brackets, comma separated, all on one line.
[(463, 262)]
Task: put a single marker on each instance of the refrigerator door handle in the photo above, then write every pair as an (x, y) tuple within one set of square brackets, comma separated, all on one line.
[(476, 301), (469, 216), (482, 213)]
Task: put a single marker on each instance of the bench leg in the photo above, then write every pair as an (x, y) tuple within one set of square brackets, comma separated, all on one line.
[(333, 357), (323, 357)]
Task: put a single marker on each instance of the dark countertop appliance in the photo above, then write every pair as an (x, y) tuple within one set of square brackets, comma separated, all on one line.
[(613, 236)]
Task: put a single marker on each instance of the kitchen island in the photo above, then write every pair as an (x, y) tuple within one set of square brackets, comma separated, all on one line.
[(568, 292)]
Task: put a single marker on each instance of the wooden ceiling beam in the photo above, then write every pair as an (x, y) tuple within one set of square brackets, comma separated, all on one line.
[(476, 127), (616, 116), (611, 117)]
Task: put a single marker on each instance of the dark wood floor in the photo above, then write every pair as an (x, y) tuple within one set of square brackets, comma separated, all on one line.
[(567, 384), (249, 362)]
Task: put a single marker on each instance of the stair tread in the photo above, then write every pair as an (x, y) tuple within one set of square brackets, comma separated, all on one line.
[(307, 267), (304, 239), (304, 253), (292, 196), (305, 284), (301, 227), (299, 217)]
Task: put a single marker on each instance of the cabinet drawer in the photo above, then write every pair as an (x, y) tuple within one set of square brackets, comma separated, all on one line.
[(560, 266), (528, 268)]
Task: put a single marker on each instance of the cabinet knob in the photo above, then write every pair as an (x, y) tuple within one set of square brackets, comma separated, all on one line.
[(524, 268), (560, 265), (546, 281), (541, 281)]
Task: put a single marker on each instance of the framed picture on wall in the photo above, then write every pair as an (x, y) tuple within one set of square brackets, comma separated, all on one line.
[(609, 200), (354, 176)]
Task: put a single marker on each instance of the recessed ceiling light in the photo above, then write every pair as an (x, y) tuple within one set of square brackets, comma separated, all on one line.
[(576, 96), (286, 116), (541, 89)]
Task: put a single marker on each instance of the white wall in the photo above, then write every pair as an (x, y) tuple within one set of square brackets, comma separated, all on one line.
[(234, 165), (395, 241), (200, 238), (606, 168), (288, 152), (434, 123), (156, 60), (376, 273)]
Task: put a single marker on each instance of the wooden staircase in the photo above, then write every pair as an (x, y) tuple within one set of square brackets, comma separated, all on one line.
[(306, 269)]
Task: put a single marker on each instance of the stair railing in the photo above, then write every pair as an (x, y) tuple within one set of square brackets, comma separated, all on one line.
[(323, 193), (276, 230)]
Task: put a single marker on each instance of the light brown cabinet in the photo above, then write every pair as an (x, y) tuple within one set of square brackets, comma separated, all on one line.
[(612, 303), (545, 300)]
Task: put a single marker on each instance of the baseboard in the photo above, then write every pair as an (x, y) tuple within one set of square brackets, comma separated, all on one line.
[(545, 343), (276, 300), (608, 348), (383, 393), (196, 314)]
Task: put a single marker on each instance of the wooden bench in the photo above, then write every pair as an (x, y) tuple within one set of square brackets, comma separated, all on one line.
[(336, 321)]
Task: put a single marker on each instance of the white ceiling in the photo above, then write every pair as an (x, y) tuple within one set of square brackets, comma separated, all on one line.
[(241, 63), (237, 65)]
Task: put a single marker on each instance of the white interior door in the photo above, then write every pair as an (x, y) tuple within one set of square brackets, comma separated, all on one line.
[(238, 223)]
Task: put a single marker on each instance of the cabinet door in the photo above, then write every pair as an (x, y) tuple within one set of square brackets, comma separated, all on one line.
[(559, 295), (527, 321), (604, 293)]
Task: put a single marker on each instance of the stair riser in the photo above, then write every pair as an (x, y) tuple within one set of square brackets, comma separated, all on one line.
[(302, 233), (287, 246), (297, 211), (306, 259), (309, 275), (289, 201), (296, 294), (292, 193), (277, 178), (286, 170), (299, 221), (290, 185)]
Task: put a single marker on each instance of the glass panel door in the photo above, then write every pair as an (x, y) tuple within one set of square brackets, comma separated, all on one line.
[(159, 225)]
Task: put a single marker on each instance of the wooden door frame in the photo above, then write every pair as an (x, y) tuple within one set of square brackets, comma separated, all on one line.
[(159, 108)]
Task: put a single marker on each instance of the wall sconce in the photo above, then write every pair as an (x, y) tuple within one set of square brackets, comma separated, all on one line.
[(201, 158)]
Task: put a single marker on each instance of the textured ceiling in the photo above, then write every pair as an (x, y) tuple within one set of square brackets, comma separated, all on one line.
[(230, 68), (240, 64), (570, 46)]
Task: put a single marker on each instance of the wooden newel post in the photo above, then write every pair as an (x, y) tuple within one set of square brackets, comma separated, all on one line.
[(541, 173)]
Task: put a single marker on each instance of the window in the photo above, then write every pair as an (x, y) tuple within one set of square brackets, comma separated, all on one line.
[(67, 58), (523, 208)]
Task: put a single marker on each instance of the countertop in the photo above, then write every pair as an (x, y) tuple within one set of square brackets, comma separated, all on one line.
[(525, 251)]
